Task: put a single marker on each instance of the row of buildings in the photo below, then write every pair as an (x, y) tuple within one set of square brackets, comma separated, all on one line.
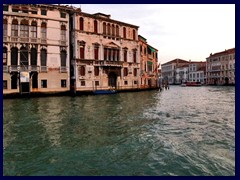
[(54, 48), (218, 69)]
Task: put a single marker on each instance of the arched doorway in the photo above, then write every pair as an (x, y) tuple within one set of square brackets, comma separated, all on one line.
[(112, 79)]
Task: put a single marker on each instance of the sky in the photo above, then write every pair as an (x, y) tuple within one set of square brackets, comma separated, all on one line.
[(184, 31)]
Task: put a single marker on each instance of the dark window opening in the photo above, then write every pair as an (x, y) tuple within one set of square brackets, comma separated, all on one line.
[(33, 56), (14, 81), (43, 83), (63, 15), (81, 24), (14, 56), (35, 80), (63, 83), (63, 58), (43, 12), (4, 84)]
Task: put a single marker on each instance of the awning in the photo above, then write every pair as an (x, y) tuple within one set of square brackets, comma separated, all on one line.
[(149, 62), (151, 49)]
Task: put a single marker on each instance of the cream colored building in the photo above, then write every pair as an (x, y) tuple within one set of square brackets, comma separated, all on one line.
[(220, 68), (35, 48), (105, 53)]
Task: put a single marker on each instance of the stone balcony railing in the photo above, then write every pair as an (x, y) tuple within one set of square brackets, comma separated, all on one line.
[(19, 68)]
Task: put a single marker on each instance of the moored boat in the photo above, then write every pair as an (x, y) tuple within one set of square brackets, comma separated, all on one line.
[(104, 92)]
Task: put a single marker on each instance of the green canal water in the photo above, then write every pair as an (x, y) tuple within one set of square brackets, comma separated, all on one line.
[(183, 131)]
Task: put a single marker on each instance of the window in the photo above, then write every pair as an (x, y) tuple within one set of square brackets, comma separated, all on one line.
[(63, 83), (63, 58), (82, 83), (135, 72), (82, 71), (35, 80), (43, 83), (96, 83), (14, 56), (43, 31), (96, 71), (125, 82), (34, 29), (14, 81), (5, 7), (63, 32), (24, 29), (15, 8), (105, 53), (81, 52), (14, 28), (134, 56), (135, 82), (125, 71), (34, 11), (124, 33), (109, 29), (81, 24), (95, 26), (4, 56), (43, 12), (96, 53), (125, 55), (4, 84), (43, 56), (33, 56), (134, 34), (24, 56), (117, 31), (104, 28), (113, 30), (63, 15), (4, 27)]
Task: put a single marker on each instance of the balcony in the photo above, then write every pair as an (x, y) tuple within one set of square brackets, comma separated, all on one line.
[(110, 63), (43, 69), (63, 69), (19, 68)]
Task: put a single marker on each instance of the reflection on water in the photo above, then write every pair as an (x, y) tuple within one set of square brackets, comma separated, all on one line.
[(181, 131)]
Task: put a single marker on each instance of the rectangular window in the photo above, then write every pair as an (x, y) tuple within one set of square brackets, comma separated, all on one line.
[(5, 8), (96, 83), (134, 56), (43, 83), (125, 56), (96, 53), (63, 15), (81, 52), (125, 82), (4, 84), (82, 83), (43, 12), (135, 82), (63, 83)]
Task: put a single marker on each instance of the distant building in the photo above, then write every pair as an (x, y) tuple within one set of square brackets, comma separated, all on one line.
[(169, 70), (220, 68), (197, 71), (181, 74)]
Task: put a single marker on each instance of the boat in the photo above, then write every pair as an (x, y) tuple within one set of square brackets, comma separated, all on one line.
[(104, 92), (193, 83)]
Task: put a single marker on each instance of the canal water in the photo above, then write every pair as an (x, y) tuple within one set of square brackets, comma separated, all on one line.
[(183, 131)]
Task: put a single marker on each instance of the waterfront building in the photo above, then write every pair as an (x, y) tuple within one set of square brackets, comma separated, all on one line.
[(197, 71), (35, 48), (182, 74), (220, 68), (149, 64), (169, 70), (105, 53)]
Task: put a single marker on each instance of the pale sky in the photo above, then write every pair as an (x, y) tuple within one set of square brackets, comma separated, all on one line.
[(185, 31)]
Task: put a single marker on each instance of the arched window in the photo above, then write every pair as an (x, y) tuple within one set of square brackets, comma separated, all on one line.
[(81, 24), (82, 71), (43, 56), (95, 26), (113, 30), (34, 29), (14, 28), (134, 56), (134, 34), (96, 71), (63, 32), (44, 30), (14, 56), (5, 27), (96, 49), (124, 33), (33, 56), (82, 54), (109, 29), (23, 56), (104, 28), (4, 56), (24, 29), (125, 71), (117, 31), (63, 58), (125, 55)]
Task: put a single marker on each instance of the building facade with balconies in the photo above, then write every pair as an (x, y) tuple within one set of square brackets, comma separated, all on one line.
[(149, 64), (220, 68), (105, 54), (197, 71), (35, 48)]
